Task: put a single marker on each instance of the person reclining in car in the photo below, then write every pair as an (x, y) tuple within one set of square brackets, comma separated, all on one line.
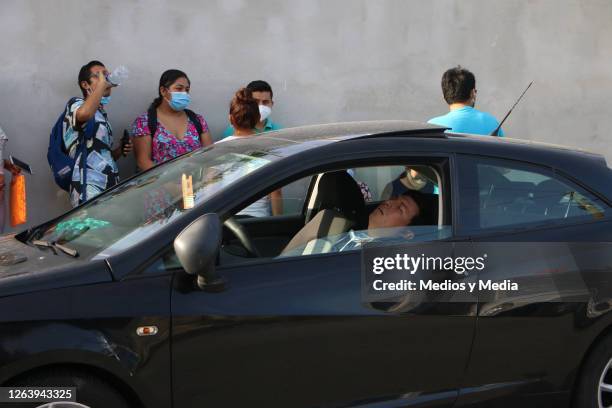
[(385, 224)]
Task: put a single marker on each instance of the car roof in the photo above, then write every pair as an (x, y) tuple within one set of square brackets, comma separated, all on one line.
[(525, 142), (344, 130), (285, 143), (322, 134), (385, 128)]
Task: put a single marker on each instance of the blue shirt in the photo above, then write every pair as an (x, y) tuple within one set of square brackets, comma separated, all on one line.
[(268, 127), (468, 120)]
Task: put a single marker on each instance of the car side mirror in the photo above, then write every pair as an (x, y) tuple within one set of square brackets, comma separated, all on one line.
[(197, 247)]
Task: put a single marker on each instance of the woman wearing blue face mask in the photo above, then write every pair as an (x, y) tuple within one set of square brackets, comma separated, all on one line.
[(168, 129)]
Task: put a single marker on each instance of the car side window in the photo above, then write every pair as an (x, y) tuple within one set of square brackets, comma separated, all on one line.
[(294, 195), (340, 211), (348, 208), (383, 182), (501, 193), (287, 200)]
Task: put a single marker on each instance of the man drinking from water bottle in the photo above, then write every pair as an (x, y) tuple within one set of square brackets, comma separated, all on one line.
[(102, 172)]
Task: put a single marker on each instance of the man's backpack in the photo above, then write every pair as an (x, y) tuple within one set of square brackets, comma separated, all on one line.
[(58, 155), (152, 120)]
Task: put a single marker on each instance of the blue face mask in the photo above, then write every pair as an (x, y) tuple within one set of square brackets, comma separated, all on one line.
[(180, 100), (105, 100)]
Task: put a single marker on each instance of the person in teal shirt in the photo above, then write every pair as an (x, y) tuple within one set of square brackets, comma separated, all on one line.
[(459, 90), (262, 92)]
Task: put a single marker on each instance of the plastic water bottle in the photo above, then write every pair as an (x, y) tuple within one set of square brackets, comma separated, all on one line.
[(118, 76)]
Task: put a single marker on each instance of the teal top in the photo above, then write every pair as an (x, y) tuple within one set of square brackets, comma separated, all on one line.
[(268, 127), (468, 120)]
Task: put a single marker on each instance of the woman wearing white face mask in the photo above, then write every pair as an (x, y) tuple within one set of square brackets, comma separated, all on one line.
[(168, 129)]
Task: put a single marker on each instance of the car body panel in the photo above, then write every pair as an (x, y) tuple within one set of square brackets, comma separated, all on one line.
[(298, 328), (93, 327), (552, 337), (277, 329)]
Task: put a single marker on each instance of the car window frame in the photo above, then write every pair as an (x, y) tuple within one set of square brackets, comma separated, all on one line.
[(380, 156), (470, 163), (291, 165)]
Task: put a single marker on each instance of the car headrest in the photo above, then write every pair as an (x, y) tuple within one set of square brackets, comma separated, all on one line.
[(338, 191), (489, 176), (549, 192)]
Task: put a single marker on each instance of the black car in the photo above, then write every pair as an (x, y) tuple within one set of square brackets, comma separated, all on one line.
[(194, 285)]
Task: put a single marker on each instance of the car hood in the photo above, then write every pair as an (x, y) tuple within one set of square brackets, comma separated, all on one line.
[(43, 269)]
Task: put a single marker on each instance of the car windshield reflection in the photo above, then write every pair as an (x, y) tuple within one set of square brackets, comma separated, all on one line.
[(146, 203)]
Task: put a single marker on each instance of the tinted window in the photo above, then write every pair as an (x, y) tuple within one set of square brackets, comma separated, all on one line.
[(503, 193)]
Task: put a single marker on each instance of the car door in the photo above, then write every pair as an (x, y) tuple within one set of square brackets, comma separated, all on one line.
[(295, 332), (528, 342)]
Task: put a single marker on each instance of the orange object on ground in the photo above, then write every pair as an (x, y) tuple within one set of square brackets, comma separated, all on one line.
[(19, 211)]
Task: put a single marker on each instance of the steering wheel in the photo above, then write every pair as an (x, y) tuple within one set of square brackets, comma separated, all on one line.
[(241, 234)]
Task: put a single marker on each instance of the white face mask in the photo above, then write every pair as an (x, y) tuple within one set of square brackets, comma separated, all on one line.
[(264, 112)]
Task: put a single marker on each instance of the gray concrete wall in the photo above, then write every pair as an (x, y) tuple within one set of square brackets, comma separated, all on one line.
[(327, 60)]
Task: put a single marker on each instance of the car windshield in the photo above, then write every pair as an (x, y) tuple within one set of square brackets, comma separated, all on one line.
[(144, 204)]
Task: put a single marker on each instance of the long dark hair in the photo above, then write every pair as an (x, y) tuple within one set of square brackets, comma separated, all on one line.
[(166, 80), (244, 109)]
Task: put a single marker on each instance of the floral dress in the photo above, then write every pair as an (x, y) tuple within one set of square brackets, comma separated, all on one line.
[(165, 145)]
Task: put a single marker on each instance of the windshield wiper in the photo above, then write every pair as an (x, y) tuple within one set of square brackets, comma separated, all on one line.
[(54, 245)]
